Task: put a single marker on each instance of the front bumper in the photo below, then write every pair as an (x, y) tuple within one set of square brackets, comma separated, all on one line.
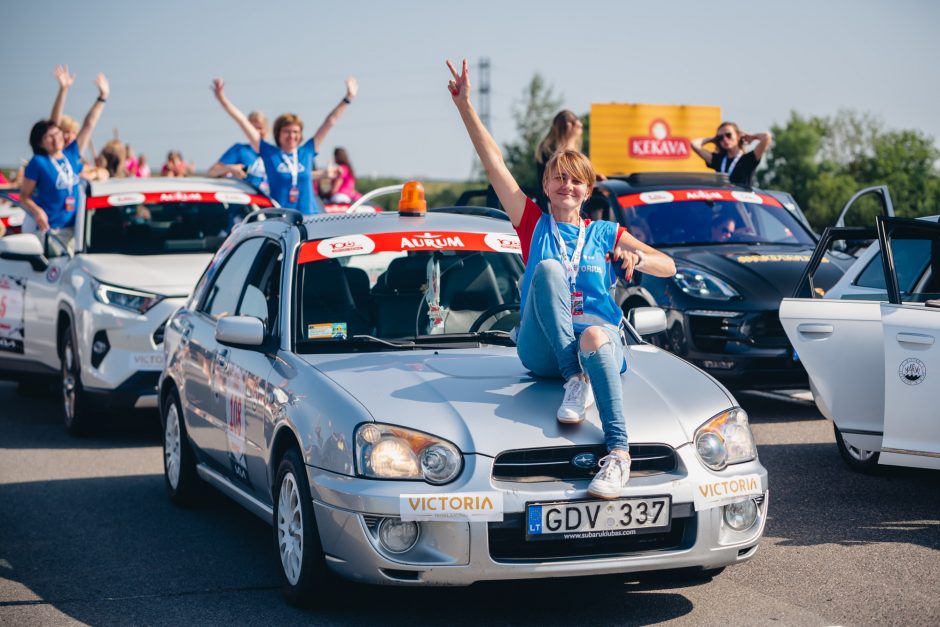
[(461, 553), (747, 349)]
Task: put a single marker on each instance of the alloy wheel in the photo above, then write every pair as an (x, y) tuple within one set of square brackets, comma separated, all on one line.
[(290, 529)]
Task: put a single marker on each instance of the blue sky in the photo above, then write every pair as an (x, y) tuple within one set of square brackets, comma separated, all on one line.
[(757, 60)]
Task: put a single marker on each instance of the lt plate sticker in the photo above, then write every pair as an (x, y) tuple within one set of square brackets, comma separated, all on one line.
[(462, 506), (326, 330), (717, 492)]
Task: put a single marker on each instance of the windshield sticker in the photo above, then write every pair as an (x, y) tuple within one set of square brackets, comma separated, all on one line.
[(686, 195), (463, 506), (12, 299), (912, 371), (724, 491), (326, 330), (775, 258), (351, 245), (134, 198)]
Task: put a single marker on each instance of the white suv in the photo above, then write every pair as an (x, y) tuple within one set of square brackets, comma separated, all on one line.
[(95, 318)]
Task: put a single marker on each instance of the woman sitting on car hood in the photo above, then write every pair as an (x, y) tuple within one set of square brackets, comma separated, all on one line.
[(569, 318)]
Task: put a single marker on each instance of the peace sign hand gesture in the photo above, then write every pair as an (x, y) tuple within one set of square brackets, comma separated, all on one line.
[(459, 86)]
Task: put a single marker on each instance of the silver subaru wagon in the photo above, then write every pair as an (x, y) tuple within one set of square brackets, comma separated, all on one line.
[(351, 379)]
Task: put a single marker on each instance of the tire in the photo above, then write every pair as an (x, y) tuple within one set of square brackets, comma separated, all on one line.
[(77, 410), (306, 580), (857, 459), (183, 484)]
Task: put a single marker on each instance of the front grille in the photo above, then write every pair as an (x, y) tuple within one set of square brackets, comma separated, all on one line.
[(507, 542), (556, 463), (711, 334)]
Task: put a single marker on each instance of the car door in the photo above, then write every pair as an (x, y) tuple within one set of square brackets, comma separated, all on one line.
[(202, 404), (242, 373), (28, 305), (911, 323)]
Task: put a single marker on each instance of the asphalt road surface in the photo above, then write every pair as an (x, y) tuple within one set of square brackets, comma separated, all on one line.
[(87, 535)]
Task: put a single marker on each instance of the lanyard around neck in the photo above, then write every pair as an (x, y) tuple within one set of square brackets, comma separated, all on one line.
[(293, 164), (65, 172), (724, 162), (570, 265)]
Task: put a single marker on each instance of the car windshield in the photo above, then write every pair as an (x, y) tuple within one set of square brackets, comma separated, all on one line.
[(708, 217), (422, 287), (164, 223)]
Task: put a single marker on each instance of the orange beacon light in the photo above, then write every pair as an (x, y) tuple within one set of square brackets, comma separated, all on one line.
[(412, 202)]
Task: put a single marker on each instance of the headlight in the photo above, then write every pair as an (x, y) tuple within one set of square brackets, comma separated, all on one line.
[(389, 452), (703, 284), (725, 439), (123, 297)]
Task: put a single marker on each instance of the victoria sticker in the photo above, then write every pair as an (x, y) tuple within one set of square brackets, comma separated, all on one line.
[(912, 371)]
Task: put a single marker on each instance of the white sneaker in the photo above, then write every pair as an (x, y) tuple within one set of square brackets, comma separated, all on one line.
[(611, 478), (578, 397)]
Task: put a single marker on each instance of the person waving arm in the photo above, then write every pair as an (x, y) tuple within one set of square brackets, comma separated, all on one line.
[(65, 80), (254, 137), (507, 190), (91, 119), (352, 88)]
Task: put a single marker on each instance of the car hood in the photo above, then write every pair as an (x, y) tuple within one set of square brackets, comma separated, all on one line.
[(765, 272), (169, 275), (484, 401)]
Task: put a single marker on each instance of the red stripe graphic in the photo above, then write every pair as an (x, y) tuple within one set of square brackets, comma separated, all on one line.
[(686, 195), (349, 245), (136, 198)]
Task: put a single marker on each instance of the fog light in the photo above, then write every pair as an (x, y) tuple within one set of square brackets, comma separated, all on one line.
[(397, 536), (741, 516), (99, 348)]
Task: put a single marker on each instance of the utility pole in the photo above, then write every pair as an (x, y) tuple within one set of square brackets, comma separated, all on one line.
[(484, 90)]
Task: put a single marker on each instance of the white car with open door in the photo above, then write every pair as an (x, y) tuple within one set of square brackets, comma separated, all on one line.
[(874, 363), (94, 318)]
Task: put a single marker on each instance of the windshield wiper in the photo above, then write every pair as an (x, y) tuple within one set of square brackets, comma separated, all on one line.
[(334, 343), (492, 337), (379, 340)]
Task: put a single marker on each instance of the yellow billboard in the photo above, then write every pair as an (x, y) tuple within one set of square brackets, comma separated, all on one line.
[(628, 138)]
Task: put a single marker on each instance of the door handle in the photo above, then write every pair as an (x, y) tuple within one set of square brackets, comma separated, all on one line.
[(185, 331), (815, 329), (915, 338)]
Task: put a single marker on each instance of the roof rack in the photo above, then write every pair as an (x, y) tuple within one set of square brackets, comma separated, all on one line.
[(290, 215), (486, 212), (650, 179)]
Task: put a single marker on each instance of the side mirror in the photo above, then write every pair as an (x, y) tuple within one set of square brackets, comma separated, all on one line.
[(647, 320), (240, 331), (24, 247)]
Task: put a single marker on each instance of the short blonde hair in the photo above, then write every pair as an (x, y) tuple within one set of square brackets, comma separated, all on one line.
[(574, 164), (68, 124)]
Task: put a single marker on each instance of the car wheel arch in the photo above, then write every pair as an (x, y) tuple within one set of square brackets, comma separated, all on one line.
[(65, 320), (166, 387), (284, 439)]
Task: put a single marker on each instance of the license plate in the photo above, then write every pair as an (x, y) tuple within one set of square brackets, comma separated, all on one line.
[(573, 520)]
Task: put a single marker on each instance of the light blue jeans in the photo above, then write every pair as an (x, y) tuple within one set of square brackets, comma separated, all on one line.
[(548, 346)]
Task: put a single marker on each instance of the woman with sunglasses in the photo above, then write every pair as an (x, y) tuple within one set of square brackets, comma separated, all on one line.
[(570, 323), (730, 157)]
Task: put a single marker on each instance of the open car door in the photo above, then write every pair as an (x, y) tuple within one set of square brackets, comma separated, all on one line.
[(911, 325), (839, 343)]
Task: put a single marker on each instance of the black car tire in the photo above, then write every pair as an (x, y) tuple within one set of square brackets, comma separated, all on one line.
[(307, 582), (859, 460), (183, 484), (77, 409)]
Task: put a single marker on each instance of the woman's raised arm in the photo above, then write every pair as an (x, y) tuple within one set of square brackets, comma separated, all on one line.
[(352, 88), (65, 80), (505, 186), (91, 118), (254, 137)]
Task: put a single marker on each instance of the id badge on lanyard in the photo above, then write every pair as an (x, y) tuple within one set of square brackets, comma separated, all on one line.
[(571, 265), (724, 162)]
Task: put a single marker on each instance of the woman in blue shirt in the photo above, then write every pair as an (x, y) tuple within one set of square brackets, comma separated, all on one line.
[(569, 319), (288, 164), (50, 186)]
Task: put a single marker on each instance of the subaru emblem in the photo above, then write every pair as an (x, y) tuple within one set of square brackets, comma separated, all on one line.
[(584, 460)]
